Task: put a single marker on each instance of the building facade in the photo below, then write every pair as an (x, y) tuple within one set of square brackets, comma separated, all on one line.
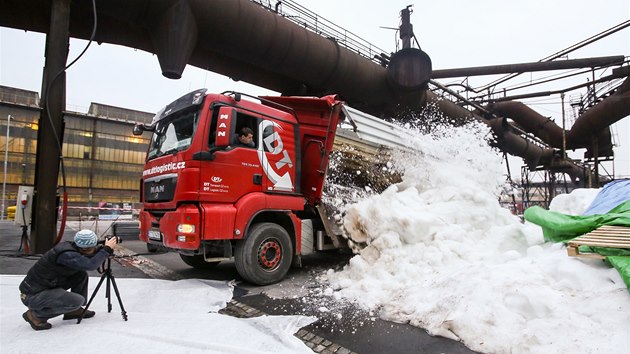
[(102, 159)]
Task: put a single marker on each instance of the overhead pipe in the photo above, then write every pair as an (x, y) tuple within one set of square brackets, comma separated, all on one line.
[(237, 38), (617, 73), (564, 52), (544, 128), (599, 117), (593, 122), (530, 67)]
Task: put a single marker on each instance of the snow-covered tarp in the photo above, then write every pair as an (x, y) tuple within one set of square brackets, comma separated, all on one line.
[(611, 206)]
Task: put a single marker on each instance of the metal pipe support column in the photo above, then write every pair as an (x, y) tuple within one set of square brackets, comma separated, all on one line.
[(50, 134)]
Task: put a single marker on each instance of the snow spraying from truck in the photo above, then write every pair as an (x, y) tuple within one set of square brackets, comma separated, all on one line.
[(438, 251)]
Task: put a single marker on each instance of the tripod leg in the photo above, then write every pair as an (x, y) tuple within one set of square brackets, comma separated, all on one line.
[(24, 240), (122, 308), (108, 292), (100, 282)]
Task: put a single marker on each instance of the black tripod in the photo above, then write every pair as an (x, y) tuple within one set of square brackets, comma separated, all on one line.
[(107, 273)]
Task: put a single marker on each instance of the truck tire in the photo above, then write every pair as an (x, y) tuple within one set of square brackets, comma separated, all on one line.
[(265, 256), (197, 261)]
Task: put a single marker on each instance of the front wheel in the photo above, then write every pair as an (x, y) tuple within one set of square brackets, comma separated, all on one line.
[(265, 256)]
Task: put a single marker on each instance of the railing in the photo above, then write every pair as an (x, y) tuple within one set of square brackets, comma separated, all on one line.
[(303, 17)]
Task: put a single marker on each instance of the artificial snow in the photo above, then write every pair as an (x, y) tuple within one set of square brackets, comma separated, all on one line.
[(438, 251), (163, 317)]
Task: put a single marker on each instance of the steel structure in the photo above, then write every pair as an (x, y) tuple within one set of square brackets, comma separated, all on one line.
[(282, 47)]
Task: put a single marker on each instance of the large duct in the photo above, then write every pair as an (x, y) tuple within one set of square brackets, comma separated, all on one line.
[(237, 38), (546, 129), (599, 117), (594, 123)]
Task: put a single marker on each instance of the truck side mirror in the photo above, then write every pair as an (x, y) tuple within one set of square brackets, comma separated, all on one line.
[(225, 128), (138, 129)]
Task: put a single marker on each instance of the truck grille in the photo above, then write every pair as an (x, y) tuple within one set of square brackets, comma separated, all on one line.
[(159, 190)]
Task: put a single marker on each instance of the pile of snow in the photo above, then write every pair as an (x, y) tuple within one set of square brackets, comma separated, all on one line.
[(163, 317), (440, 253), (574, 203)]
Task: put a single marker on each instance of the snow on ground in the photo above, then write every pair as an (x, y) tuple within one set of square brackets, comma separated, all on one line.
[(443, 255), (163, 317)]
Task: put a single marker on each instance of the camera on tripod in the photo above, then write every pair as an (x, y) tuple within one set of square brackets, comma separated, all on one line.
[(102, 242), (106, 273)]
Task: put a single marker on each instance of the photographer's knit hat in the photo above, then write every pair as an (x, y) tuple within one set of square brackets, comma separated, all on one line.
[(85, 239)]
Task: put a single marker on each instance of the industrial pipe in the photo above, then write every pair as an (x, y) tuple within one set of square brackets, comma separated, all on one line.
[(530, 67), (594, 122), (237, 38)]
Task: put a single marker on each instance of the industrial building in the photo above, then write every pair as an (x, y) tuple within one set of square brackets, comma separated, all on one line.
[(102, 159)]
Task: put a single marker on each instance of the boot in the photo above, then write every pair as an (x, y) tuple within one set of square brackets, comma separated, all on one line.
[(35, 322), (73, 315)]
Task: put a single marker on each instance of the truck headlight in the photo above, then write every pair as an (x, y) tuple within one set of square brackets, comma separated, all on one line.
[(186, 228)]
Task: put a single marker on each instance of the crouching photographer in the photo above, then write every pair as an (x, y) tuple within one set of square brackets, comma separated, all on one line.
[(64, 267)]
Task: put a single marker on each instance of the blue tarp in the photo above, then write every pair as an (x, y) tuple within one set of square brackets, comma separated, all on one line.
[(611, 195)]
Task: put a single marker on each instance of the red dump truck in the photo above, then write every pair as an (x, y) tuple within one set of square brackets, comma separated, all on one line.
[(211, 199)]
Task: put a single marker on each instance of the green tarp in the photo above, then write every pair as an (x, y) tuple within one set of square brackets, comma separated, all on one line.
[(622, 264), (558, 227)]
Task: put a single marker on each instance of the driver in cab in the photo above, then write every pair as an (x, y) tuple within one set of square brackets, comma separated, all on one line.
[(245, 138)]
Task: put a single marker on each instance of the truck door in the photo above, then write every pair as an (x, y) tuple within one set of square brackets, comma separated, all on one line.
[(234, 169), (276, 153)]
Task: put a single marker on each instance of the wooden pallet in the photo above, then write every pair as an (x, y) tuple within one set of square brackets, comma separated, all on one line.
[(604, 236)]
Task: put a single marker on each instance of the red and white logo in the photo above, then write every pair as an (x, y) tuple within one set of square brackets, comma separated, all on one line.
[(273, 143)]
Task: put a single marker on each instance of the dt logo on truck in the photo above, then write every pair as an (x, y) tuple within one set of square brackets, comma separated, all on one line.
[(273, 144)]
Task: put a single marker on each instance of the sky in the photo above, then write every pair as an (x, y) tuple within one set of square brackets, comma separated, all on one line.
[(155, 323), (455, 34)]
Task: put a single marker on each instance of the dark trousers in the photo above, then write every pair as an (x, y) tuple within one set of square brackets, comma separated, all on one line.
[(54, 302)]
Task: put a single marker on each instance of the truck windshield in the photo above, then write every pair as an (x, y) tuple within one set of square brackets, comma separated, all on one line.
[(173, 133)]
